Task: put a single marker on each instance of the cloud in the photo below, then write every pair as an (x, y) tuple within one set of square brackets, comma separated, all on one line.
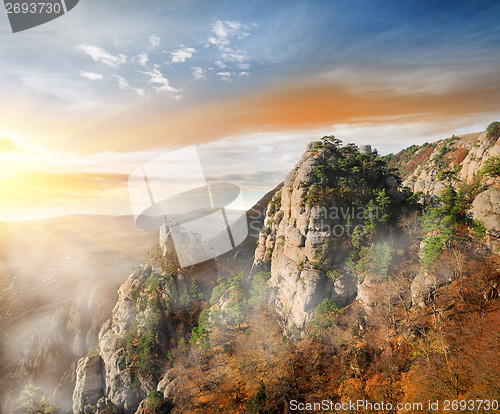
[(225, 76), (199, 73), (91, 76), (222, 35), (123, 84), (102, 56), (143, 59), (234, 58), (224, 31), (180, 55), (155, 41), (56, 84), (156, 77)]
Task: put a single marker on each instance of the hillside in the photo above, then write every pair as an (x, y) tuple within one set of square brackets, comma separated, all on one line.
[(365, 286)]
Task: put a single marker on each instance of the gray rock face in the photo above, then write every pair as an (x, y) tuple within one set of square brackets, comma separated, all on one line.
[(89, 383), (295, 240), (486, 208), (478, 154), (365, 149)]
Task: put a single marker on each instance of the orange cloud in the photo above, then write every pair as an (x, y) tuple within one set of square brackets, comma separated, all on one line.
[(286, 108)]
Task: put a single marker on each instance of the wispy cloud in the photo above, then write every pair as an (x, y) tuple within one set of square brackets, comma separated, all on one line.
[(224, 31), (123, 84), (198, 73), (223, 36), (102, 56), (56, 85), (225, 76), (142, 59), (154, 41), (91, 75), (157, 78), (181, 54)]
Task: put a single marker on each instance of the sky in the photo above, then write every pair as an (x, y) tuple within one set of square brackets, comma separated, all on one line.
[(88, 98)]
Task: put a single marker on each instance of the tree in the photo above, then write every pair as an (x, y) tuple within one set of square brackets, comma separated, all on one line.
[(31, 401), (493, 131), (491, 167), (324, 316)]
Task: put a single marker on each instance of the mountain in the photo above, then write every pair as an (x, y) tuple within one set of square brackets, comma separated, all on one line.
[(372, 279)]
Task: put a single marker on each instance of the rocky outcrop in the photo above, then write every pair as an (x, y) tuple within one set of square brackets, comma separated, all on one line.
[(481, 149), (89, 380), (465, 156), (486, 209), (302, 243), (144, 297)]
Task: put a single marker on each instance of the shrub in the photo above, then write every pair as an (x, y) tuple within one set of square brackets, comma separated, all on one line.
[(493, 131), (199, 334), (491, 167), (31, 400)]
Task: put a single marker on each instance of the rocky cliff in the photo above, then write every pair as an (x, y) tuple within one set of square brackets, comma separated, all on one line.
[(154, 305), (456, 161), (309, 226)]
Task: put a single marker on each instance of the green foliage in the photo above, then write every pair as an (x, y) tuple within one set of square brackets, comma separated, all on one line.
[(237, 295), (275, 203), (192, 294), (447, 175), (432, 250), (440, 223), (493, 131), (325, 316), (218, 290), (478, 229), (491, 167), (148, 293), (374, 260), (156, 403), (200, 333), (408, 159), (348, 173), (365, 257), (257, 403), (31, 400), (259, 288), (141, 352)]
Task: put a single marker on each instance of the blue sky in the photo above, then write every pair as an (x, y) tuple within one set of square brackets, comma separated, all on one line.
[(228, 41), (113, 83)]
